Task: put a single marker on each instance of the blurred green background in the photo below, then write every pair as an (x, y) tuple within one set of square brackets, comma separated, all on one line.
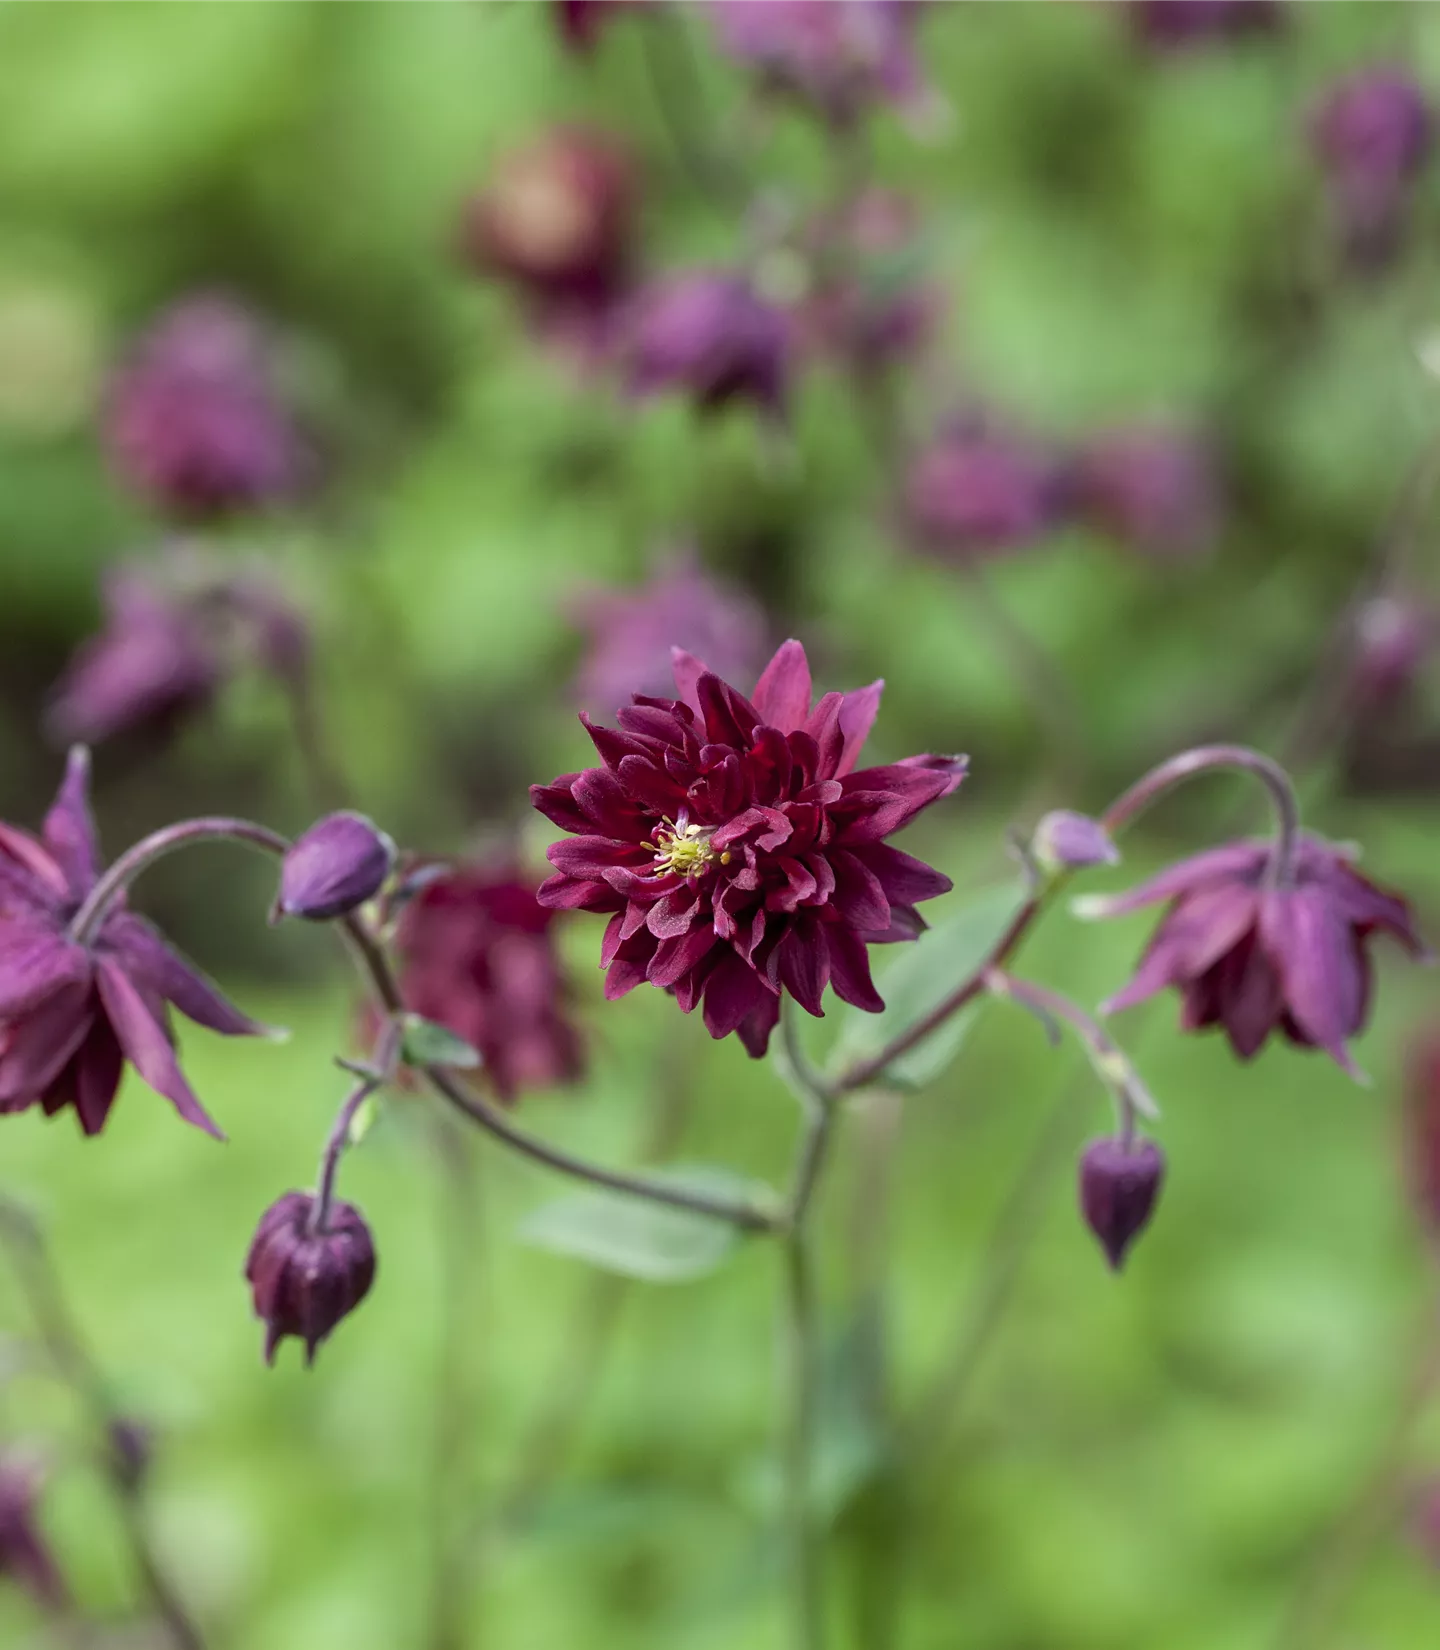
[(1158, 1461)]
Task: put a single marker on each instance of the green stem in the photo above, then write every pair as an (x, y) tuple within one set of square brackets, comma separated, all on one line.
[(802, 1356)]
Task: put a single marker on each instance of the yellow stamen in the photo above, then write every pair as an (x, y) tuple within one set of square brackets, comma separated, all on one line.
[(684, 850)]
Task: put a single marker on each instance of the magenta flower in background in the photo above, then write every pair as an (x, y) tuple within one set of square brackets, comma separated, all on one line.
[(709, 335), (25, 1553), (478, 956), (1175, 25), (977, 491), (632, 633), (1372, 134), (1253, 958), (193, 421), (1154, 489), (839, 56), (73, 1013), (1393, 638), (737, 850)]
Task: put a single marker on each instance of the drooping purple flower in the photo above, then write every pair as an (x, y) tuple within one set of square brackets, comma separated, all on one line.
[(25, 1553), (736, 848), (557, 220), (304, 1279), (977, 491), (709, 335), (338, 864), (1119, 1182), (1175, 25), (1256, 958), (1372, 134), (632, 632), (73, 1013), (1068, 841), (477, 956), (1152, 488), (193, 421), (839, 56)]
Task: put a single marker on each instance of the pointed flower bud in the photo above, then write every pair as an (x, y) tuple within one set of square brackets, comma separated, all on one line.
[(339, 863), (1067, 841), (304, 1282), (1118, 1187)]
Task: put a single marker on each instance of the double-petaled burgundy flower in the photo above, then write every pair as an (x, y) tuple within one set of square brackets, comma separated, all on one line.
[(477, 955), (736, 848), (74, 1010), (1256, 955)]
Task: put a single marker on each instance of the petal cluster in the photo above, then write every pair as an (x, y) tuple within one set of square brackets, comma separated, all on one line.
[(71, 1014), (738, 850), (1256, 958)]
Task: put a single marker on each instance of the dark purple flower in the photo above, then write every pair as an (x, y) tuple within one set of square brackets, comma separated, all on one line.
[(478, 957), (579, 22), (1372, 134), (1067, 841), (72, 1014), (708, 335), (305, 1279), (1173, 25), (557, 221), (840, 56), (1119, 1182), (977, 491), (1153, 488), (193, 421), (1393, 638), (632, 633), (736, 849), (339, 863), (25, 1554), (1255, 958), (153, 663)]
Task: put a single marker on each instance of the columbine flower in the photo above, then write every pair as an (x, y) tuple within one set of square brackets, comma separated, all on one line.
[(1173, 25), (1153, 488), (709, 335), (338, 864), (72, 1013), (478, 957), (736, 848), (557, 220), (1119, 1182), (1255, 958), (1372, 135), (632, 633), (193, 421), (976, 491), (1068, 841), (304, 1280)]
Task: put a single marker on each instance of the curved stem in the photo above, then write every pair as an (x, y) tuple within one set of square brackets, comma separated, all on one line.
[(387, 1046), (1178, 769)]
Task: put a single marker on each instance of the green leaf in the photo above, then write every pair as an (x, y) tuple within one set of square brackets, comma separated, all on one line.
[(922, 976), (364, 1118), (427, 1044), (639, 1239)]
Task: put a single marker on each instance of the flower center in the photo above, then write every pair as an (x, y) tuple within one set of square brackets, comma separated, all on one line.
[(683, 849)]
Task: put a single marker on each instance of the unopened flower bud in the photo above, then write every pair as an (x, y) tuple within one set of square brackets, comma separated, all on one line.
[(305, 1281), (339, 863), (1067, 841), (1119, 1183)]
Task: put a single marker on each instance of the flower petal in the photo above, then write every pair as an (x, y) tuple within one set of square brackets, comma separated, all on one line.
[(36, 1049), (782, 695), (688, 671), (1315, 954), (36, 960), (22, 848), (733, 992), (145, 1044), (69, 828), (905, 879), (857, 716), (146, 957), (1235, 862)]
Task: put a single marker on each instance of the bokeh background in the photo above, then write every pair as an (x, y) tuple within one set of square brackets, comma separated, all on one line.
[(1117, 222)]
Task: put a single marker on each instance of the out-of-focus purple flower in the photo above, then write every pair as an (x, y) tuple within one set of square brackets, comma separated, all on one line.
[(737, 850), (632, 633), (1174, 25), (977, 491), (478, 957), (1393, 638), (839, 56), (193, 421), (1119, 1182), (1152, 488), (1067, 841), (557, 221), (305, 1278), (153, 663), (579, 22), (1372, 134), (709, 335), (339, 863), (25, 1554), (71, 1013), (1256, 958)]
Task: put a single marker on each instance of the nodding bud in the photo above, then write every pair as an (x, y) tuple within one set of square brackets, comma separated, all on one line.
[(339, 863), (1067, 841), (1119, 1183), (305, 1280)]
